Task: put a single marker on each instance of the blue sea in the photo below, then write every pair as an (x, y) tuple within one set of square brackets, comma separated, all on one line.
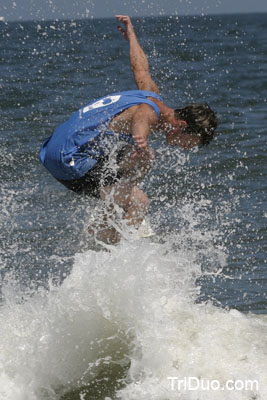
[(81, 321)]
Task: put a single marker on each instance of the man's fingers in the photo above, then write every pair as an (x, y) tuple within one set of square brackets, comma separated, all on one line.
[(141, 143), (134, 155), (140, 152), (122, 17), (122, 31), (125, 19)]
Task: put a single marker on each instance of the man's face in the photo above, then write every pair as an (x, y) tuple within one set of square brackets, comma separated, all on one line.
[(175, 136)]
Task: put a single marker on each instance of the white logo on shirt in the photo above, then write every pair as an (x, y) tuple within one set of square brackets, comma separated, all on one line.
[(106, 101)]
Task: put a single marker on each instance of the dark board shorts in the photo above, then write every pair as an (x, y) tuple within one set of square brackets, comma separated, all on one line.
[(102, 174)]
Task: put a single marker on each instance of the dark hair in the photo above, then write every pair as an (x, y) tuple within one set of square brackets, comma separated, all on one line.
[(200, 119)]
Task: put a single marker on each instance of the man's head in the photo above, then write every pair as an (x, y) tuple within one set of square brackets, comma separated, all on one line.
[(190, 126), (200, 121)]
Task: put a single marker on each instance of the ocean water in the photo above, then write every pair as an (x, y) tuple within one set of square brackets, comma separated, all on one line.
[(82, 321)]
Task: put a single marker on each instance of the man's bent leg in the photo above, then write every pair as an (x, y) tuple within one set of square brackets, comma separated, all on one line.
[(138, 207), (126, 194), (130, 198)]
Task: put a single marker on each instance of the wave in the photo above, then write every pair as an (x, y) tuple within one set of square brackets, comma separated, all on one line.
[(122, 323)]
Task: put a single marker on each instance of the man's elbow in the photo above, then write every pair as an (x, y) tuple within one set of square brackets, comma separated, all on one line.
[(146, 83)]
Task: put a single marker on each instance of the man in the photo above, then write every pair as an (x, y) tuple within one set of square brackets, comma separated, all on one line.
[(102, 149)]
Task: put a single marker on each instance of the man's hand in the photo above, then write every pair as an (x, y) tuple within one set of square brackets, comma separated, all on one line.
[(129, 30), (140, 137), (140, 134)]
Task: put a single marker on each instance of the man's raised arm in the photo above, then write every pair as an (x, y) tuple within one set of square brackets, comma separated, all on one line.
[(138, 59)]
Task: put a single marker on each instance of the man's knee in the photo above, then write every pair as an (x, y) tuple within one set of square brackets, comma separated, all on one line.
[(139, 197), (142, 163)]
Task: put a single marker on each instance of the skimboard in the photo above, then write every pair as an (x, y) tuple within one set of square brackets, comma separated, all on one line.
[(144, 230)]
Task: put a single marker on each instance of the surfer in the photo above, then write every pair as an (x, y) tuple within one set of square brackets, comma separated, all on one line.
[(102, 149)]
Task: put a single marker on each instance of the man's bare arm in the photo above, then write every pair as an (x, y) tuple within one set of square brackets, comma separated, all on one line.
[(138, 59), (142, 122)]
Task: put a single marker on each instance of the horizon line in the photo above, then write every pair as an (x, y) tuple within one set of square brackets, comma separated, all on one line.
[(81, 18)]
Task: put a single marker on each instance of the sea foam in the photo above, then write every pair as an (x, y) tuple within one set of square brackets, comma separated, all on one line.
[(132, 308)]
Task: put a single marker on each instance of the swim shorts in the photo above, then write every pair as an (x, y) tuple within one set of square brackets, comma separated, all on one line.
[(101, 175)]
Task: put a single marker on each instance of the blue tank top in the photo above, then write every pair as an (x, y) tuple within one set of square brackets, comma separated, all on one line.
[(77, 144)]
